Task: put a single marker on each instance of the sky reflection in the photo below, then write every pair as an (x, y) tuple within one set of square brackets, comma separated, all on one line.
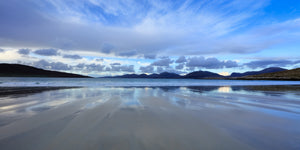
[(241, 111), (195, 98)]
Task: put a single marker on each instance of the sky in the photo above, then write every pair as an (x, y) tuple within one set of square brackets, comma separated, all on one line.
[(102, 38)]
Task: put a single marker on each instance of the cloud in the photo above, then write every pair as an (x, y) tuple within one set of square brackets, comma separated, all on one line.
[(162, 62), (179, 67), (1, 50), (127, 54), (106, 48), (159, 27), (269, 63), (190, 68), (127, 68), (24, 51), (80, 66), (90, 67), (181, 59), (115, 64), (147, 69), (51, 65), (72, 56), (99, 59), (209, 63), (47, 52), (94, 67), (149, 56), (120, 68), (230, 64), (168, 69), (160, 69), (114, 67)]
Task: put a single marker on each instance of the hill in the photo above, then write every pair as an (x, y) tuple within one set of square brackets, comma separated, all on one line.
[(293, 74), (164, 75), (17, 70), (202, 75), (168, 75), (267, 70)]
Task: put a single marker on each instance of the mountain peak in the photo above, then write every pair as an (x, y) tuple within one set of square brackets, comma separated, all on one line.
[(201, 74)]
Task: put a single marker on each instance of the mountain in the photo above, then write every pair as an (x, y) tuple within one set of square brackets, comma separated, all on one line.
[(293, 74), (163, 75), (267, 70), (272, 73), (132, 76), (168, 75), (17, 70), (202, 74)]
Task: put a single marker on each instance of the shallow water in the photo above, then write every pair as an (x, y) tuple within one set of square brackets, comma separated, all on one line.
[(168, 117), (114, 82)]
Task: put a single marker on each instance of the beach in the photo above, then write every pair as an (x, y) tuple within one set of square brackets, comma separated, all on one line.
[(150, 75), (214, 117)]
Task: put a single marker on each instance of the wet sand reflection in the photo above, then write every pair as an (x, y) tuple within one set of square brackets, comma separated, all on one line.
[(152, 118)]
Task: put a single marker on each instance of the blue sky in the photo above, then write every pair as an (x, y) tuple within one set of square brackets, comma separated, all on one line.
[(98, 37)]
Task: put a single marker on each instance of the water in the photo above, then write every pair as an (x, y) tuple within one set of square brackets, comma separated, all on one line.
[(100, 82), (63, 113)]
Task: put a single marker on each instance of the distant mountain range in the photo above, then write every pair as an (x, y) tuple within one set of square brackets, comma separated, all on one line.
[(207, 75), (272, 73), (267, 70), (164, 75), (167, 75), (17, 70)]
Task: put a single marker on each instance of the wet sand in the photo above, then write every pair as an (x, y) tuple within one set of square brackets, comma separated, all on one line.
[(151, 118)]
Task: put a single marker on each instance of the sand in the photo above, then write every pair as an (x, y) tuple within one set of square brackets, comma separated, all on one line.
[(150, 118)]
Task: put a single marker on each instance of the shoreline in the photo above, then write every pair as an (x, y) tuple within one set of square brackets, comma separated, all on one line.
[(6, 91), (27, 90)]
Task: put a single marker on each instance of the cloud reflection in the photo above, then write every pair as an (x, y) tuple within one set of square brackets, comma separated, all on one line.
[(224, 89), (133, 98)]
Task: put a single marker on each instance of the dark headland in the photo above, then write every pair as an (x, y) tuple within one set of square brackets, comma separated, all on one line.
[(17, 70)]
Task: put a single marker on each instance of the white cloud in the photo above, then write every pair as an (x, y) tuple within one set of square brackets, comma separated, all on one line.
[(163, 27)]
